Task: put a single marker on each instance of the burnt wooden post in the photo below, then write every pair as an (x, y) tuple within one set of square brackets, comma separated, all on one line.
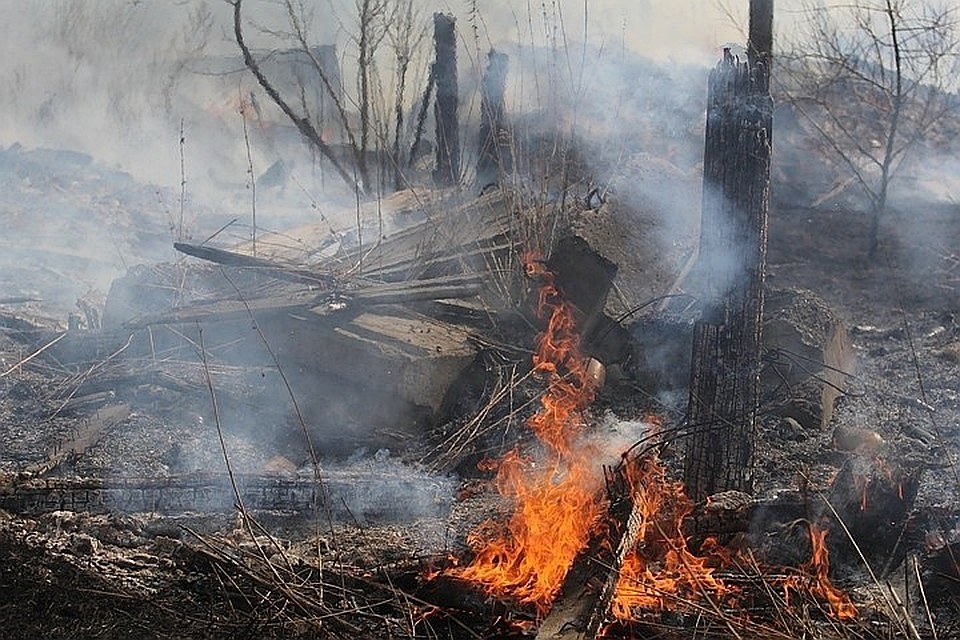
[(447, 171), (760, 38), (724, 376), (494, 156)]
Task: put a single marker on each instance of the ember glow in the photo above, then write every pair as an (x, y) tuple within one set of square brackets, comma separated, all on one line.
[(557, 495), (661, 572)]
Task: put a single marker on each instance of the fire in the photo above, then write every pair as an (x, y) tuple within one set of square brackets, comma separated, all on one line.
[(660, 571), (558, 502), (819, 585)]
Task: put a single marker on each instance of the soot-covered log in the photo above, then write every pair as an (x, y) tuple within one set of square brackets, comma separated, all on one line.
[(447, 172), (494, 155), (724, 385), (874, 499)]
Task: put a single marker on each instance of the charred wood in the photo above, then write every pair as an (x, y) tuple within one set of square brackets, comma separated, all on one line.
[(348, 495), (495, 156), (84, 436), (874, 500), (230, 258), (447, 172), (724, 381)]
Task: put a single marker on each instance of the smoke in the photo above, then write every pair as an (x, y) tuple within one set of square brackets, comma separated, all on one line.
[(614, 435), (101, 78), (623, 82), (112, 78)]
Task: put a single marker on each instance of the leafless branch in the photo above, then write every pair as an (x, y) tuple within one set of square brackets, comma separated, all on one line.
[(302, 123)]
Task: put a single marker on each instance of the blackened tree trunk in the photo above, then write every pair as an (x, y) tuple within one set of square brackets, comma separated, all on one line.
[(445, 109), (724, 377), (494, 156)]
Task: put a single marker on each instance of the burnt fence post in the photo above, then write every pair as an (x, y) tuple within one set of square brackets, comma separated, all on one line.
[(494, 156), (724, 376), (447, 172)]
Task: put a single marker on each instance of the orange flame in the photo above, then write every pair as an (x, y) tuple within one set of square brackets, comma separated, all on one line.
[(818, 566), (558, 502), (660, 571)]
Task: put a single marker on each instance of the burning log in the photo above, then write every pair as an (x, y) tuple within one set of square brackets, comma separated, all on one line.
[(558, 504), (583, 605), (874, 500)]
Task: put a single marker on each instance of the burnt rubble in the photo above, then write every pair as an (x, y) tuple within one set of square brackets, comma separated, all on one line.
[(124, 493)]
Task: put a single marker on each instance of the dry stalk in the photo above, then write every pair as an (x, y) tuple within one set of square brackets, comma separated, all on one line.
[(78, 382), (923, 597), (475, 429), (33, 355), (906, 626)]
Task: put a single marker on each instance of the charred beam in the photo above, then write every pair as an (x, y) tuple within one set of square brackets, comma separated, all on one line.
[(232, 259), (349, 494), (84, 436), (494, 155), (724, 380), (760, 38), (447, 172)]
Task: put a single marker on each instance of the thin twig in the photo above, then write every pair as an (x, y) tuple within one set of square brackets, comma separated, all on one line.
[(33, 355)]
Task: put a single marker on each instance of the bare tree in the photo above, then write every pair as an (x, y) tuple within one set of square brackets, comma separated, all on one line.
[(871, 78), (405, 37), (362, 116), (373, 18), (302, 121), (298, 19)]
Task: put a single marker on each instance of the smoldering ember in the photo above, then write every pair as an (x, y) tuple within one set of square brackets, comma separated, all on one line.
[(369, 320)]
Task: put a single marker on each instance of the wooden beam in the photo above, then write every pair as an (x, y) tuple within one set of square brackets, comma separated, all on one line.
[(760, 42), (447, 172), (724, 375)]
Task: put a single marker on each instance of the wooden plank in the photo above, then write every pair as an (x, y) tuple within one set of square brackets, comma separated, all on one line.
[(374, 494), (229, 258), (84, 436)]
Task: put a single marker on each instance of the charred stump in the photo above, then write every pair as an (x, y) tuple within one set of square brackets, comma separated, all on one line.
[(724, 381), (874, 501), (447, 172), (494, 156)]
